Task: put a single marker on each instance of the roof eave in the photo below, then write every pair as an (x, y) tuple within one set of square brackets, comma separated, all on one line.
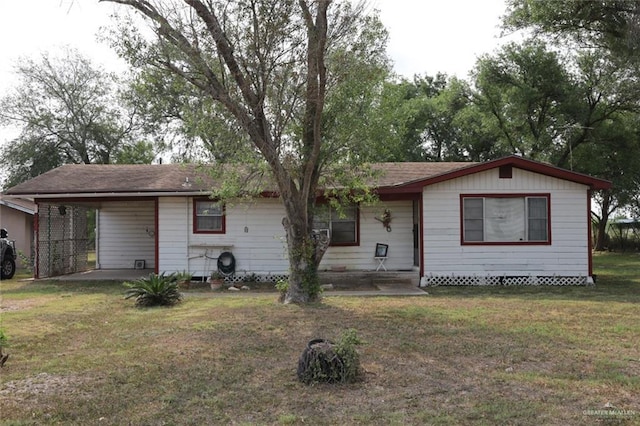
[(17, 206), (90, 195)]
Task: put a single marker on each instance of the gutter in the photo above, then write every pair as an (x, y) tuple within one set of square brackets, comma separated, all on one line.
[(93, 195), (16, 206)]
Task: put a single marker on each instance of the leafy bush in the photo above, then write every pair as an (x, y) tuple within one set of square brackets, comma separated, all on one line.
[(325, 362), (346, 350), (155, 290), (282, 286), (4, 342)]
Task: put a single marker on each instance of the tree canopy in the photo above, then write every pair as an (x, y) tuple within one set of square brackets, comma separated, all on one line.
[(278, 72), (68, 111)]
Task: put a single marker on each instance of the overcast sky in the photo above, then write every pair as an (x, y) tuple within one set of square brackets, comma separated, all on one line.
[(426, 36)]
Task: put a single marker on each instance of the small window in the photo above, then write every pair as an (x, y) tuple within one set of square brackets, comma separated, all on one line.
[(505, 172), (505, 219), (208, 217), (342, 224)]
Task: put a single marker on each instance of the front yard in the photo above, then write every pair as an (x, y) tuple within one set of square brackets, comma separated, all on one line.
[(80, 354)]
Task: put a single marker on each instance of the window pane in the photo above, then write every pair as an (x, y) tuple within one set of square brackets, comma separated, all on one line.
[(321, 217), (504, 219), (537, 208), (208, 208), (345, 214), (473, 219), (343, 232), (209, 223), (209, 216), (342, 226), (537, 211)]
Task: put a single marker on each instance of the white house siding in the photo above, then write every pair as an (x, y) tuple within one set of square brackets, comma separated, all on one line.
[(126, 234), (255, 236), (444, 255), (400, 240)]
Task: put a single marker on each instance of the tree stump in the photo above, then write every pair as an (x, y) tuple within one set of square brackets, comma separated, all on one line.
[(322, 362)]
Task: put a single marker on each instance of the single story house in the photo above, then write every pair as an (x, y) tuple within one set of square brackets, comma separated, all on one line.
[(507, 221), (16, 216)]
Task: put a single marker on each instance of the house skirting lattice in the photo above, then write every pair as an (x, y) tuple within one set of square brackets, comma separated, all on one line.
[(503, 280)]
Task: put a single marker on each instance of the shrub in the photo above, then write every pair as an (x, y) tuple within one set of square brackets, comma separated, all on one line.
[(4, 342), (155, 290), (325, 362), (282, 286)]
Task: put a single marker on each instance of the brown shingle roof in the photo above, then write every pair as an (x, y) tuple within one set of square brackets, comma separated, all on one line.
[(145, 178), (115, 178), (394, 174), (87, 179)]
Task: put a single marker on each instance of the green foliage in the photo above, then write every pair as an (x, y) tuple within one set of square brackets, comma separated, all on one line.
[(524, 92), (182, 276), (310, 282), (155, 290), (282, 286), (4, 339), (217, 275), (251, 278), (25, 261), (346, 349), (278, 84), (136, 153), (326, 362), (69, 112), (608, 24)]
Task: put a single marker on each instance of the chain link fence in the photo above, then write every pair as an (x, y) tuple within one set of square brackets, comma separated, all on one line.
[(62, 244)]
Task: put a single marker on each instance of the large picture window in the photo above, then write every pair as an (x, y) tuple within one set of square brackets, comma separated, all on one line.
[(208, 217), (342, 224), (505, 219)]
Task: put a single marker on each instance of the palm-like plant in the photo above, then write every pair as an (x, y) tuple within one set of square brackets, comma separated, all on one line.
[(155, 290)]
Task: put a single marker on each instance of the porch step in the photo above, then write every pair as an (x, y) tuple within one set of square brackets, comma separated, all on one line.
[(373, 279)]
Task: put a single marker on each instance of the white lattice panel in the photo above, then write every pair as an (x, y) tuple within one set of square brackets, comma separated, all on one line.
[(490, 280)]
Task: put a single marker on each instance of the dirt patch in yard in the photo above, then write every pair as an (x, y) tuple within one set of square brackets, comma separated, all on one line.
[(18, 305), (42, 384)]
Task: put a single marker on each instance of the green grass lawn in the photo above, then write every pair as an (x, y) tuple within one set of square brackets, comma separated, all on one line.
[(81, 354)]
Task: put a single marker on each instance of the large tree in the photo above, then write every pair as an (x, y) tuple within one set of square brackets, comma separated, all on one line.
[(613, 25), (67, 111), (524, 88), (577, 114), (605, 35), (270, 66)]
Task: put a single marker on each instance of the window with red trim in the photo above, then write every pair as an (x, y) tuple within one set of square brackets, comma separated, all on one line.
[(342, 224), (208, 217), (506, 219)]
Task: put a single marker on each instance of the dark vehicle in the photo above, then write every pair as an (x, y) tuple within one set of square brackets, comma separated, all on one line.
[(7, 256)]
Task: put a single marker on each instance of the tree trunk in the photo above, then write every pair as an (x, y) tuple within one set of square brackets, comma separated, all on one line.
[(305, 252), (601, 237)]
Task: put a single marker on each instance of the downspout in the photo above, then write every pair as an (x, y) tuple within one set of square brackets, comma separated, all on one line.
[(97, 238), (156, 236), (36, 258), (421, 236), (589, 236)]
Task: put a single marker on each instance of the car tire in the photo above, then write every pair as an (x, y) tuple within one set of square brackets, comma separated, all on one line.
[(7, 269)]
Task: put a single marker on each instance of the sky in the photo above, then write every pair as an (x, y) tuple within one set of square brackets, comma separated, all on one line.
[(425, 36)]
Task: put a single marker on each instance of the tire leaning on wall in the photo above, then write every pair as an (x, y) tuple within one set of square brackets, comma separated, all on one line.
[(226, 263)]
